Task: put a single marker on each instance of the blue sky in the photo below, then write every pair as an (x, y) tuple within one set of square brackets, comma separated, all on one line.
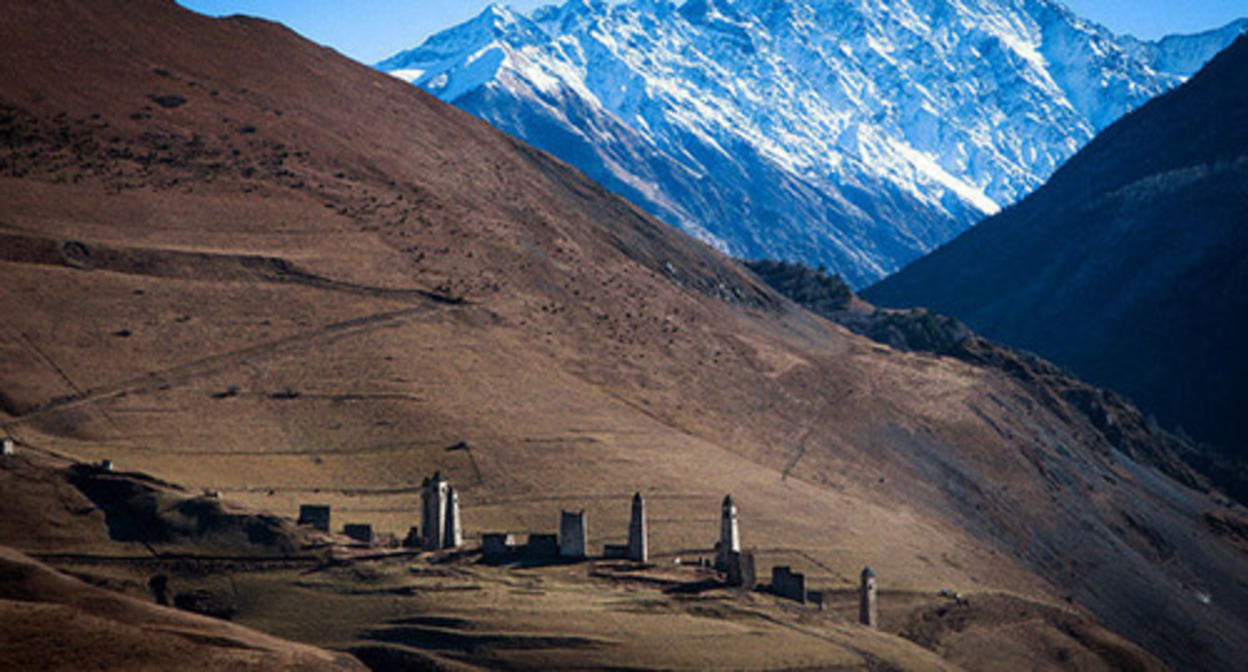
[(370, 31)]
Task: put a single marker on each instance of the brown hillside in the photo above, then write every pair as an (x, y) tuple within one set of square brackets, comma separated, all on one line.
[(54, 622), (238, 261)]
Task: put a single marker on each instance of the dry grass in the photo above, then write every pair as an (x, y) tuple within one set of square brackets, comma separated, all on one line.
[(316, 310)]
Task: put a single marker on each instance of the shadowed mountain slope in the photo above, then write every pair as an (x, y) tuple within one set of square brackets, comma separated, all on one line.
[(55, 622), (238, 261), (1128, 266)]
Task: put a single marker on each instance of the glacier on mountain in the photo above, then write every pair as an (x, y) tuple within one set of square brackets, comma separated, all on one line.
[(849, 134)]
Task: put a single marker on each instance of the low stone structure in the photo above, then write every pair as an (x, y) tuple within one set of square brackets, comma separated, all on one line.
[(740, 570), (573, 533), (787, 583), (316, 516), (541, 548), (499, 547), (413, 538), (616, 552), (867, 613), (361, 532)]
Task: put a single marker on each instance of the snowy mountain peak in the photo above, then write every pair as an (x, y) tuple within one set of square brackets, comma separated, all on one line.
[(854, 134)]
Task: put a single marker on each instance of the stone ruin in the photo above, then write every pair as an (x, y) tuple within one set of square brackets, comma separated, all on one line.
[(503, 547), (572, 541), (638, 548), (361, 532), (573, 534), (499, 547), (453, 534), (414, 539), (439, 514), (441, 529), (615, 551), (740, 572), (638, 542), (729, 534), (789, 584), (541, 548), (315, 516), (440, 522), (867, 612)]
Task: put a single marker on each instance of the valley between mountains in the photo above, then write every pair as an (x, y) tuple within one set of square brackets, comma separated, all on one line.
[(254, 274)]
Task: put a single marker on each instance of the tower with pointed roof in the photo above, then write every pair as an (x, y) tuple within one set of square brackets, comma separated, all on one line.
[(638, 545), (867, 614), (729, 535)]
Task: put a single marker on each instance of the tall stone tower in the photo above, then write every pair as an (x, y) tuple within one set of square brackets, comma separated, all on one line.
[(638, 545), (729, 536), (433, 496), (866, 599), (572, 535), (453, 536)]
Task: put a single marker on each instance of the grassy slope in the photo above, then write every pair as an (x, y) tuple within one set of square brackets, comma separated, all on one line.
[(588, 351)]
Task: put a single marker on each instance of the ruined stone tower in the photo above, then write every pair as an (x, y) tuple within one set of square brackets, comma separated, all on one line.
[(433, 499), (638, 545), (453, 536), (572, 535), (729, 536), (866, 599)]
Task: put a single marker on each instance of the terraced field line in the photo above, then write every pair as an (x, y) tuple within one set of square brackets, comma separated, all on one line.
[(199, 367)]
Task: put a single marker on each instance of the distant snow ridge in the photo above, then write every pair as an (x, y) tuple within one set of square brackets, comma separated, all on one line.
[(853, 134)]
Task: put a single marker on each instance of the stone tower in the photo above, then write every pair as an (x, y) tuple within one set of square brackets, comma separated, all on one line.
[(638, 545), (866, 599), (433, 499), (453, 536), (729, 536), (572, 535)]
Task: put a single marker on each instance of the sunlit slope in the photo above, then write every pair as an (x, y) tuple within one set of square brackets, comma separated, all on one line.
[(246, 274)]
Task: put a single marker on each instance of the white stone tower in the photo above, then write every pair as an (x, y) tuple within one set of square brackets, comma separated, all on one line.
[(433, 495), (638, 545), (453, 537), (729, 536)]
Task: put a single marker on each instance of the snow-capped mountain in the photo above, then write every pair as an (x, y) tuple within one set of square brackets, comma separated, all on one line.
[(852, 134)]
